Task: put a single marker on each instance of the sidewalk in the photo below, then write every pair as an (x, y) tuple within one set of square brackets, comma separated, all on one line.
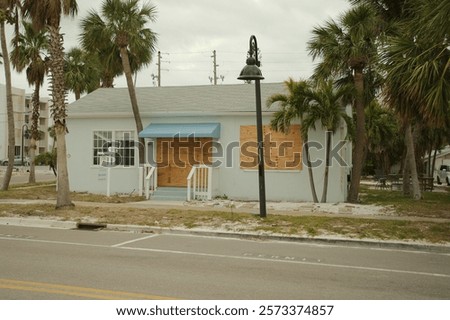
[(346, 210)]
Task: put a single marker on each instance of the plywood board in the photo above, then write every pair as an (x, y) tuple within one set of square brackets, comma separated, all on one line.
[(281, 151)]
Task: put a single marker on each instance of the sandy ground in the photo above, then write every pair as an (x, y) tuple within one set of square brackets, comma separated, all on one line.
[(294, 207)]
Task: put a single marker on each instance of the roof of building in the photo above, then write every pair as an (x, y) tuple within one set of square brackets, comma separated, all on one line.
[(176, 100), (441, 153)]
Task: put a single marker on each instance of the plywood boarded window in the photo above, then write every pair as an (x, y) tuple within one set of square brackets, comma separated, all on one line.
[(281, 151)]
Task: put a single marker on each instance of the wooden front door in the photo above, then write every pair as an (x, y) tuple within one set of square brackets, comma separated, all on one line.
[(176, 156)]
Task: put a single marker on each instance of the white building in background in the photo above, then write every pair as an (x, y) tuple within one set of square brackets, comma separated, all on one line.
[(22, 106)]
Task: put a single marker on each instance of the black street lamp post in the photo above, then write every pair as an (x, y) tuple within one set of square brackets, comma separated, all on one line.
[(252, 72)]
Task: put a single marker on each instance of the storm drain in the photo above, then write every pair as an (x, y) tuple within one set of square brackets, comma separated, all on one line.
[(91, 226)]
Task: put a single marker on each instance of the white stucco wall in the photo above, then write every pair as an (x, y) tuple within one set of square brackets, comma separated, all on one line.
[(83, 175), (229, 179)]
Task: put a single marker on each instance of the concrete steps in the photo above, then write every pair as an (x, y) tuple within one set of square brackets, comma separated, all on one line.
[(169, 194)]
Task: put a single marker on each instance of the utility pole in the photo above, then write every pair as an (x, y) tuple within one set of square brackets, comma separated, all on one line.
[(215, 65), (158, 76), (159, 68)]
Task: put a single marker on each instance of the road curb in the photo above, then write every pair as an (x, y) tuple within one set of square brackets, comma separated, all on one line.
[(367, 243), (38, 223)]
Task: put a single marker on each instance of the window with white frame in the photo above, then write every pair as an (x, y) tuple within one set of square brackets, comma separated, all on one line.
[(113, 148)]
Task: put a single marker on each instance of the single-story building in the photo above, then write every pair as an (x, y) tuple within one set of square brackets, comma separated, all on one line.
[(198, 139)]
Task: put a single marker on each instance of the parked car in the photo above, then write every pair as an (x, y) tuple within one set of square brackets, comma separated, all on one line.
[(443, 174), (17, 161)]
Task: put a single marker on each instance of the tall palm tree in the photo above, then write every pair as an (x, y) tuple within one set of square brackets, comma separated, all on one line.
[(294, 105), (28, 51), (47, 14), (123, 26), (417, 65), (416, 60), (417, 87), (347, 48), (81, 72), (7, 16)]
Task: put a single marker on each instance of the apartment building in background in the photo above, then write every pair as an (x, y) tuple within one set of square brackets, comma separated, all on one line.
[(22, 106)]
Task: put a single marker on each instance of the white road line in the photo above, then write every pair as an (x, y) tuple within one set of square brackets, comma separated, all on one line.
[(134, 240), (316, 264), (58, 242)]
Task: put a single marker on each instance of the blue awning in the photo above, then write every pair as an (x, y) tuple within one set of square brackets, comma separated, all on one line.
[(181, 130)]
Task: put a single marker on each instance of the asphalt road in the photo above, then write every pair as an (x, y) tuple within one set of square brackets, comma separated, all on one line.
[(42, 263)]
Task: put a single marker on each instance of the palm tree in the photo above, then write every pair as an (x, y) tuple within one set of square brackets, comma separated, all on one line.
[(388, 11), (347, 49), (383, 135), (27, 53), (81, 72), (416, 60), (417, 64), (6, 16), (107, 55), (47, 14), (123, 26), (294, 105), (326, 106)]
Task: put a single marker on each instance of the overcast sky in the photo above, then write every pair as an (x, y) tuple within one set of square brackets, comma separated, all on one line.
[(188, 32)]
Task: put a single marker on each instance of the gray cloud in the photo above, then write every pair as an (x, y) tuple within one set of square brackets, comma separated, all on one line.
[(190, 30)]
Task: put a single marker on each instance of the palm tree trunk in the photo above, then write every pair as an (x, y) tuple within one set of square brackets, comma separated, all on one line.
[(32, 150), (410, 155), (406, 177), (107, 81), (327, 167), (310, 171), (34, 131), (63, 196), (433, 166), (428, 168), (133, 99), (9, 109), (59, 115), (360, 140)]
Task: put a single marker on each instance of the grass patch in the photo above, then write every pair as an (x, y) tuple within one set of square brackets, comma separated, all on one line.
[(356, 228), (435, 204), (47, 191)]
